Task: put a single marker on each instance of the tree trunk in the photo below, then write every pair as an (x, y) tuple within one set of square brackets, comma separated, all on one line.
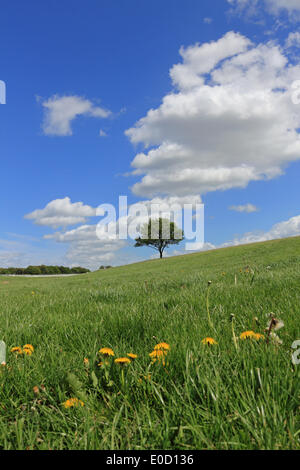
[(161, 250)]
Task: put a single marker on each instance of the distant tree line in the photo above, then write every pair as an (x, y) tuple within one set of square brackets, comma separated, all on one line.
[(35, 270)]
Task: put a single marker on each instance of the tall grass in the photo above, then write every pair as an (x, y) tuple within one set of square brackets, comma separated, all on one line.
[(232, 395)]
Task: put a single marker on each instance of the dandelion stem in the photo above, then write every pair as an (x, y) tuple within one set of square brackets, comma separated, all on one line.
[(233, 334), (207, 306), (122, 378)]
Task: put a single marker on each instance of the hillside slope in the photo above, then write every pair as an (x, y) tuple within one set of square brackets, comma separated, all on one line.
[(234, 394)]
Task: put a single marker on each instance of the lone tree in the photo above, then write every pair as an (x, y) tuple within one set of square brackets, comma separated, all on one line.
[(159, 234)]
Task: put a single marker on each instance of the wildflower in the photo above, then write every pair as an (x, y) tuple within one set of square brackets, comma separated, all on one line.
[(163, 346), (132, 356), (158, 355), (86, 362), (209, 341), (258, 336), (122, 361), (27, 351), (73, 402), (106, 352), (28, 346), (36, 390), (247, 334), (17, 349)]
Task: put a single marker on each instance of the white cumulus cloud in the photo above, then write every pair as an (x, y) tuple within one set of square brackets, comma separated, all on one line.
[(230, 120), (60, 111), (85, 248), (287, 228), (61, 213)]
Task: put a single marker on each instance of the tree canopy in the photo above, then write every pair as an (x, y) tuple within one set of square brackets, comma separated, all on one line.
[(42, 269), (159, 234)]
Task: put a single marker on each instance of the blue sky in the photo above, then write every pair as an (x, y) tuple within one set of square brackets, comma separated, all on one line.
[(81, 80)]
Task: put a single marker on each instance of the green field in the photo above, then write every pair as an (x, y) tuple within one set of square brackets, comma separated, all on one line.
[(241, 394)]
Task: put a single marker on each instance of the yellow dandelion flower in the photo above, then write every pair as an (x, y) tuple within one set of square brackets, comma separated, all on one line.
[(132, 356), (73, 402), (28, 352), (17, 349), (28, 346), (209, 341), (106, 352), (247, 334), (163, 346), (122, 361), (158, 355), (258, 336)]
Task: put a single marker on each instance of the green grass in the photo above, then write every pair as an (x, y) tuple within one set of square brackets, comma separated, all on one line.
[(227, 396)]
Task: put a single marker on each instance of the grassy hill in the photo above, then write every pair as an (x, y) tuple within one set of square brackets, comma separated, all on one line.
[(236, 394)]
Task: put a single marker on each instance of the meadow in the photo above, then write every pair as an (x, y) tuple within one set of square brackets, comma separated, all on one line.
[(230, 393)]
